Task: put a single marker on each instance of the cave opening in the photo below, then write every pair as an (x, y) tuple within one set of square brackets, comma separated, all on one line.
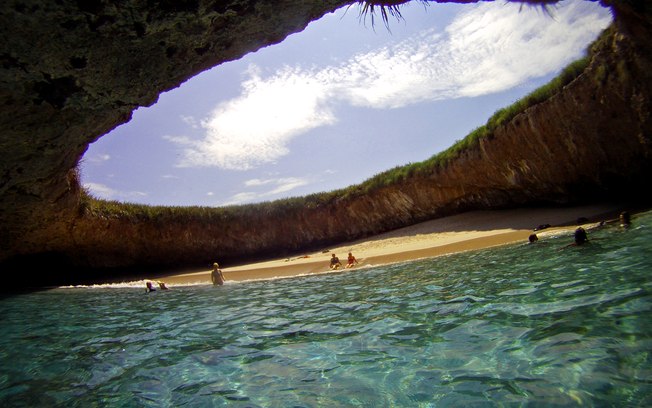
[(320, 112)]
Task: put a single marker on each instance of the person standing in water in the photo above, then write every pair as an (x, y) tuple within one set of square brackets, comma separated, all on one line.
[(580, 238), (217, 277)]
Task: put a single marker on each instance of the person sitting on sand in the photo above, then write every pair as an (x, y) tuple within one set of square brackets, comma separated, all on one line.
[(351, 261), (335, 262), (217, 277), (533, 238), (150, 286)]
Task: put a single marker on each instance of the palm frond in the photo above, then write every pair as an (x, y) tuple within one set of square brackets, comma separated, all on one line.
[(386, 9)]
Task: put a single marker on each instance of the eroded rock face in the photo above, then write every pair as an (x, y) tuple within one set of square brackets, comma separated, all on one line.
[(72, 71)]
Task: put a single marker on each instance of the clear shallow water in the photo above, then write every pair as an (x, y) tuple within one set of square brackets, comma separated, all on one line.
[(520, 325)]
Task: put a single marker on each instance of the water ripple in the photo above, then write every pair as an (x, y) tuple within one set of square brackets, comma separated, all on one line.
[(521, 325)]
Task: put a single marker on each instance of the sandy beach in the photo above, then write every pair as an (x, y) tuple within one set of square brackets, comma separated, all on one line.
[(463, 232)]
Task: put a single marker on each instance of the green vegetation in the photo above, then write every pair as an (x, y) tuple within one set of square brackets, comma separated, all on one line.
[(499, 118), (384, 8), (138, 212)]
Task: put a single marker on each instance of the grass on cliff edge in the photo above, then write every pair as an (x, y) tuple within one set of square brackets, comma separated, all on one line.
[(139, 212)]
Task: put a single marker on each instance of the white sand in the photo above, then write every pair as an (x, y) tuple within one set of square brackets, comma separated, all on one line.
[(468, 231)]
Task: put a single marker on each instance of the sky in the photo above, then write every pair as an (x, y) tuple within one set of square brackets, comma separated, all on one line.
[(337, 103)]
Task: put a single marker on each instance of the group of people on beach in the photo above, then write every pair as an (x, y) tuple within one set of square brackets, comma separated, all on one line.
[(149, 286), (217, 277), (580, 237), (336, 264)]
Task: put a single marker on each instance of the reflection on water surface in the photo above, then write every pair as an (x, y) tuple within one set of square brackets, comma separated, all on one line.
[(518, 325)]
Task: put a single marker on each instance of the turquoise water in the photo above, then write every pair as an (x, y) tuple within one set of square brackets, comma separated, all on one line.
[(518, 325)]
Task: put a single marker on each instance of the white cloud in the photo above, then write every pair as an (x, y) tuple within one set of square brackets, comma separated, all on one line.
[(100, 190), (240, 198), (98, 158), (278, 186), (501, 50), (190, 121), (486, 49), (104, 192), (255, 128), (257, 182), (283, 185)]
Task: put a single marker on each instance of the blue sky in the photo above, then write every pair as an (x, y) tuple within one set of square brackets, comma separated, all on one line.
[(337, 103)]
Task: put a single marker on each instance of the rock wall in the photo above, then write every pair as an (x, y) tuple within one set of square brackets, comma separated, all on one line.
[(89, 65), (590, 142), (73, 70)]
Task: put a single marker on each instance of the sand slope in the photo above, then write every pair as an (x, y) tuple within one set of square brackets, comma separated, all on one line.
[(468, 231)]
